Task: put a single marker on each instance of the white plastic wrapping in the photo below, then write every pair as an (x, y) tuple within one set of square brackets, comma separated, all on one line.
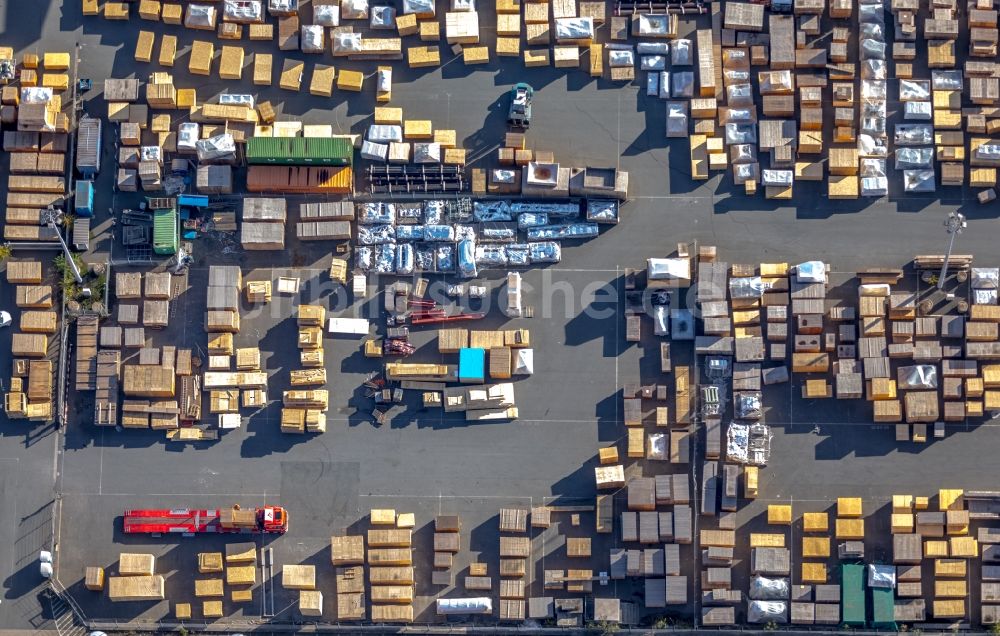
[(617, 58), (913, 134), (680, 53), (423, 7), (657, 447), (200, 16), (914, 90), (918, 111), (374, 151), (312, 38), (354, 9), (216, 147), (383, 80), (918, 376), (775, 82), (654, 25), (872, 49), (677, 118), (665, 86), (781, 178), (446, 606), (652, 84), (737, 133), (985, 277), (769, 589), (524, 362), (243, 10), (574, 28), (652, 48), (767, 612), (810, 272), (881, 575), (682, 84), (947, 80), (36, 95), (652, 63), (919, 181), (741, 154), (661, 320), (327, 15), (870, 146), (383, 17), (739, 95), (187, 136), (874, 70), (914, 158), (668, 269), (984, 296), (385, 133), (346, 42), (463, 6)]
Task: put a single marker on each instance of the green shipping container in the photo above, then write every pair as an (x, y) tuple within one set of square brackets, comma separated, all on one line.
[(852, 594), (165, 232), (299, 151), (883, 608)]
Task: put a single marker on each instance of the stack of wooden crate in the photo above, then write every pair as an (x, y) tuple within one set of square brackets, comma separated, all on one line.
[(392, 584), (514, 521), (447, 543)]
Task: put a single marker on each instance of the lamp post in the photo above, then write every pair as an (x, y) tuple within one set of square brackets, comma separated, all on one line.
[(955, 223)]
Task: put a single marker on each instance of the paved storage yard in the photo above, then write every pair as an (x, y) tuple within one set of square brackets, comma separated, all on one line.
[(422, 461)]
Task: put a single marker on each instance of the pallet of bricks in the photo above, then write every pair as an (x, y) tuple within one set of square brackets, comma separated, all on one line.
[(390, 566), (937, 545), (31, 382)]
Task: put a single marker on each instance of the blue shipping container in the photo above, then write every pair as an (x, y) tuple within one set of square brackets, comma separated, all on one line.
[(83, 200), (471, 365), (193, 200)]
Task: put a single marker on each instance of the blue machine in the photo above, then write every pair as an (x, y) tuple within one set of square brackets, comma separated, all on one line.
[(83, 200), (192, 201)]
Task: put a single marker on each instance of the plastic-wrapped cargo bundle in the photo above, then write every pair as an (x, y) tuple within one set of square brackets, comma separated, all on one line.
[(914, 90), (682, 84), (491, 255), (467, 259), (312, 38), (567, 231), (439, 233), (422, 7), (741, 133), (602, 210), (376, 213), (763, 588), (947, 80), (919, 181), (424, 258), (217, 147), (363, 258), (661, 320), (664, 85), (741, 115), (464, 232), (652, 48), (917, 376), (200, 16), (872, 49), (985, 278), (914, 158), (385, 133), (518, 255), (677, 119), (376, 234), (777, 177), (874, 183), (444, 258), (652, 84), (373, 151), (621, 58), (680, 52), (747, 287), (327, 15), (383, 17), (921, 111), (652, 63), (243, 11), (580, 28), (767, 612), (409, 232), (872, 146), (484, 211), (384, 258), (354, 9), (876, 70), (544, 252), (464, 6), (404, 259), (498, 234), (346, 43), (748, 405), (434, 212), (740, 95), (187, 137), (881, 576), (554, 210)]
